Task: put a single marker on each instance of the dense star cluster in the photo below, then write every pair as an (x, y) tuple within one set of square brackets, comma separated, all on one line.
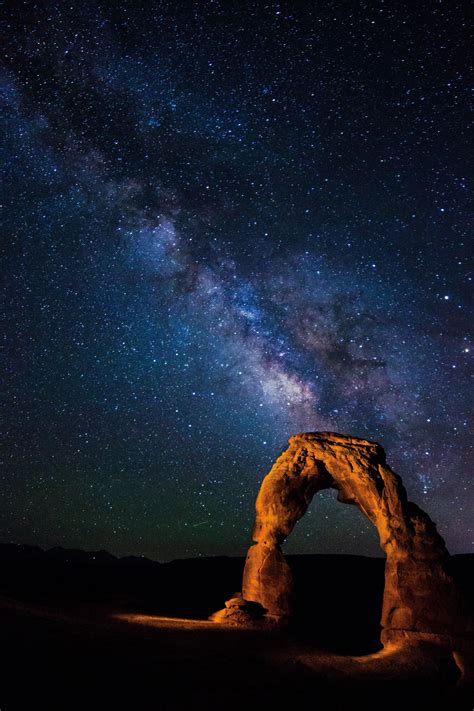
[(225, 223)]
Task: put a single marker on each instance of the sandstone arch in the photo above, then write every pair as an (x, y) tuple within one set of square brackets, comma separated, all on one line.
[(421, 601)]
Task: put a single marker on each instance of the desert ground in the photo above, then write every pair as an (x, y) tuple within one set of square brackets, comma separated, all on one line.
[(82, 635)]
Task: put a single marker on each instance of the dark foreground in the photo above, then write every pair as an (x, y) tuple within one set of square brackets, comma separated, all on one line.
[(91, 632)]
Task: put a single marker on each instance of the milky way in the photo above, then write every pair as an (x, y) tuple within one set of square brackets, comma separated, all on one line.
[(224, 225)]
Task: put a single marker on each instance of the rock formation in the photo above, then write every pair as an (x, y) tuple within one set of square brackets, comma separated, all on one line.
[(421, 601)]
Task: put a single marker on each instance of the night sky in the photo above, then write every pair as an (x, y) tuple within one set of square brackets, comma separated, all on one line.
[(225, 223)]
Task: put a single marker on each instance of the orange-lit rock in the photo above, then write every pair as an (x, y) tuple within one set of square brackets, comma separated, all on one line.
[(238, 611), (421, 600)]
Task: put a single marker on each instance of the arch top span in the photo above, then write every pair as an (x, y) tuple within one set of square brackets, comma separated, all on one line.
[(334, 438), (420, 597), (313, 461)]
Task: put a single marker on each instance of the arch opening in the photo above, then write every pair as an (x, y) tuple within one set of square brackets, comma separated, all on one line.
[(337, 585), (331, 529)]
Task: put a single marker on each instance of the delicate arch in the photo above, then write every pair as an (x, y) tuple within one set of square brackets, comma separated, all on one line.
[(421, 600)]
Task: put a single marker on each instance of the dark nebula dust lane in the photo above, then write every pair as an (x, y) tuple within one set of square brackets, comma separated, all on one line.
[(222, 224)]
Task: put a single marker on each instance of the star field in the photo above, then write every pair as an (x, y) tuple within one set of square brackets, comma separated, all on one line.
[(224, 223)]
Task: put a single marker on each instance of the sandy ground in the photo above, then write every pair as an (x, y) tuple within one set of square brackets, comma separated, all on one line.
[(100, 656)]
